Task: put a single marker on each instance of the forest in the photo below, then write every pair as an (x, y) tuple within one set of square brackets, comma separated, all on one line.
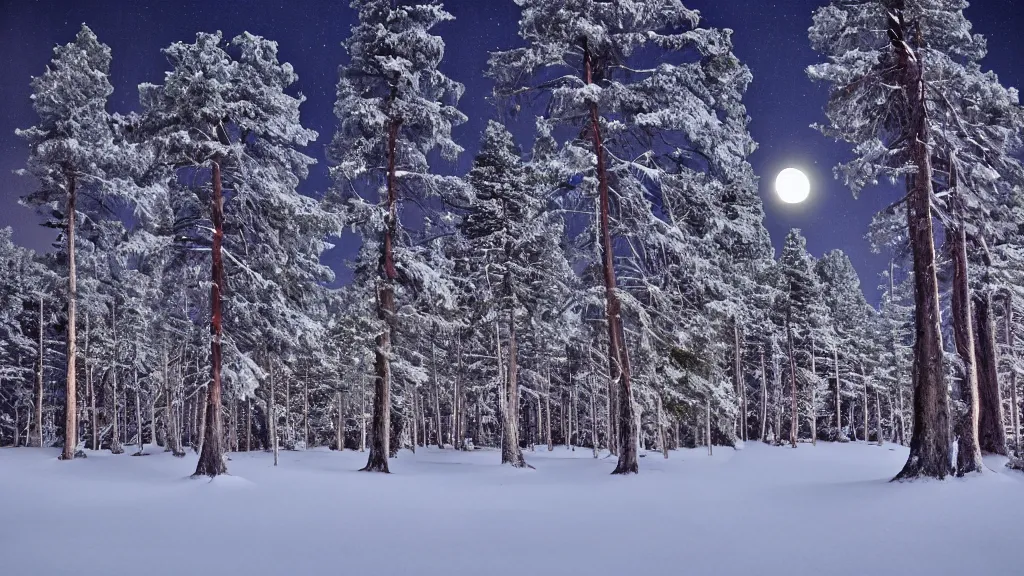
[(608, 285)]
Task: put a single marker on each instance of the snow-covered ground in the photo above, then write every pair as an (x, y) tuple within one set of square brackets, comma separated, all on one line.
[(758, 511)]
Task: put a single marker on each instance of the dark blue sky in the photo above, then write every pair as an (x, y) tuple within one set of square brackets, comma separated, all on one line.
[(770, 37)]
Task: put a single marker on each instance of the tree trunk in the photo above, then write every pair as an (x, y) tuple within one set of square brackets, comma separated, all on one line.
[(929, 447), (991, 426), (764, 400), (362, 413), (248, 424), (737, 375), (839, 397), (593, 418), (878, 415), (90, 385), (1010, 350), (618, 359), (138, 412), (115, 436), (35, 435), (211, 457), (272, 409), (547, 408), (70, 401), (511, 453), (380, 431), (777, 377), (794, 423), (305, 411), (458, 434), (867, 433), (707, 425), (968, 449), (437, 397), (340, 440), (814, 396), (662, 443)]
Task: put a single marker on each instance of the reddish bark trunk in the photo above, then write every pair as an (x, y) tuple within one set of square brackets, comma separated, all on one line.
[(380, 426), (618, 359), (211, 456)]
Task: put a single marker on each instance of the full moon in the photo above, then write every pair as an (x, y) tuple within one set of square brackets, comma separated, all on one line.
[(793, 186)]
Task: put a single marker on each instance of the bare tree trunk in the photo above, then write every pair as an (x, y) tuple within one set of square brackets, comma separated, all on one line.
[(380, 432), (707, 425), (777, 373), (289, 434), (35, 435), (764, 400), (201, 402), (70, 401), (547, 408), (839, 397), (968, 448), (419, 420), (867, 432), (814, 397), (248, 424), (94, 428), (662, 443), (305, 410), (794, 423), (991, 425), (1011, 351), (17, 432), (618, 359), (458, 434), (138, 412), (340, 440), (437, 397), (593, 417), (929, 447), (272, 409), (362, 413), (511, 453), (234, 424), (737, 375), (878, 415), (211, 457), (115, 436)]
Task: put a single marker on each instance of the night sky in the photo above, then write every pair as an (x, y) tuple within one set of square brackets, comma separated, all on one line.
[(770, 37)]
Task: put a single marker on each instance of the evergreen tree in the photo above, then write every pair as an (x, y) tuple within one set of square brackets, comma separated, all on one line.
[(881, 58), (585, 55), (394, 107), (231, 115), (76, 159)]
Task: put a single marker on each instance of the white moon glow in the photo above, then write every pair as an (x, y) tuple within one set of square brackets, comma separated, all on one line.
[(793, 186)]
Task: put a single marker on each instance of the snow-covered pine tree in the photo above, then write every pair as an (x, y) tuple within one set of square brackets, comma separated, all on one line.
[(881, 54), (394, 107), (224, 109), (593, 59), (75, 158)]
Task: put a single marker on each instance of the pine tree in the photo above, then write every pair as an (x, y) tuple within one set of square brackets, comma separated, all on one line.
[(230, 115), (584, 55), (79, 160), (394, 107), (880, 57)]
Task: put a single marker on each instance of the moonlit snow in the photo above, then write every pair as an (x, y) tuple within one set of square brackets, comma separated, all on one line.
[(825, 509)]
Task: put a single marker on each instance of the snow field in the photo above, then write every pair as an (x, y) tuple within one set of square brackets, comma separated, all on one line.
[(826, 509)]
